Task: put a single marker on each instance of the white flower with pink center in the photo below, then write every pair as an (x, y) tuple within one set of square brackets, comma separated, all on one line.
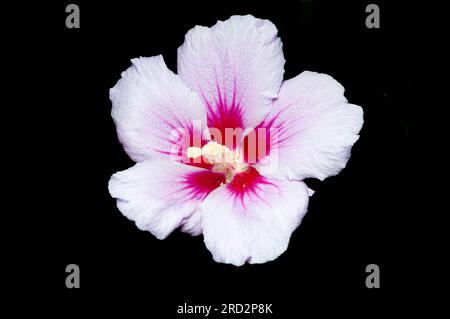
[(223, 146)]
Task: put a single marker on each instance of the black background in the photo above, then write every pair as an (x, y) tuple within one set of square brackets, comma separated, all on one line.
[(356, 218)]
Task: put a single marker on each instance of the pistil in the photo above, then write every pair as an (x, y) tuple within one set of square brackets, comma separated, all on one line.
[(223, 159)]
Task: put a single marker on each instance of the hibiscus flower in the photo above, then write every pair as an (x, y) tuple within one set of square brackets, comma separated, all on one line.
[(246, 193)]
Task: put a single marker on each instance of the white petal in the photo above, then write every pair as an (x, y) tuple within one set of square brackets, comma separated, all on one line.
[(193, 224), (154, 111), (162, 195), (255, 227), (236, 66), (316, 129)]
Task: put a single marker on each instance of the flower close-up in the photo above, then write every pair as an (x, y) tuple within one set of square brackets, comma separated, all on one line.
[(222, 147)]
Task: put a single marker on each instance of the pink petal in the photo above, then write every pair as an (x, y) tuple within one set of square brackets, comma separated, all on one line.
[(162, 195), (155, 113), (236, 67), (251, 220), (312, 129)]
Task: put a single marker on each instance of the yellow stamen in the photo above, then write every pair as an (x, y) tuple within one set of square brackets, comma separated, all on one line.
[(194, 152), (223, 159), (213, 152)]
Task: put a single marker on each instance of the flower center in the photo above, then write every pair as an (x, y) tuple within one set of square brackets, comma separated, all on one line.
[(223, 159)]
